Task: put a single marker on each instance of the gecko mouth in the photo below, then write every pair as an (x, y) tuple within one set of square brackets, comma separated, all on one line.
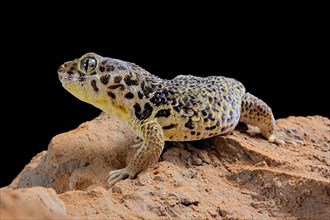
[(71, 78), (116, 86)]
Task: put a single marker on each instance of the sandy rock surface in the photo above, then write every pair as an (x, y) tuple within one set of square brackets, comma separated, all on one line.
[(235, 176)]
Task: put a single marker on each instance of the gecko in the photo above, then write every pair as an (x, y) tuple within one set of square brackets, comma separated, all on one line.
[(185, 108)]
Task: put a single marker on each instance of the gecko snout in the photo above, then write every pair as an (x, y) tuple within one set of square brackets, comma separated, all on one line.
[(61, 69)]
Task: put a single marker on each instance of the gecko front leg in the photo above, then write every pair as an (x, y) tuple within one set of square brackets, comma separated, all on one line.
[(146, 155)]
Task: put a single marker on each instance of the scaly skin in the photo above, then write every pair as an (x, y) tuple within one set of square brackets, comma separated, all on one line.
[(185, 108)]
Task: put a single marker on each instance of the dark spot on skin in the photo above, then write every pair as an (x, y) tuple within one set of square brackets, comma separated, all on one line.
[(117, 79), (189, 104), (215, 109), (223, 129), (189, 124), (70, 72), (146, 89), (198, 133), (223, 117), (186, 110), (137, 109), (193, 132), (121, 68), (129, 95), (210, 116), (142, 115), (171, 137), (160, 98), (217, 124), (110, 68), (210, 99), (163, 113), (204, 113), (169, 126), (81, 74), (93, 73), (185, 137), (102, 68), (140, 95), (211, 128), (176, 108), (173, 102), (206, 119), (147, 110), (129, 81), (93, 83), (116, 86), (105, 79), (111, 94)]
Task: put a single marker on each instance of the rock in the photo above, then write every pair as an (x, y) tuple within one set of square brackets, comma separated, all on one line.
[(236, 176), (31, 203)]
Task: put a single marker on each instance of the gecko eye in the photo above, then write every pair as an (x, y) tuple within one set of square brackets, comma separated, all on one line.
[(88, 64)]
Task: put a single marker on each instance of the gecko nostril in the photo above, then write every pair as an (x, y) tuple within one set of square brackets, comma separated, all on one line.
[(61, 69)]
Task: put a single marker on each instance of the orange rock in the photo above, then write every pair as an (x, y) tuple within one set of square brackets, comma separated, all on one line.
[(232, 176), (31, 203)]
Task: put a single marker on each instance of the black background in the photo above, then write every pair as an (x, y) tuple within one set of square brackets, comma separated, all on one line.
[(280, 58)]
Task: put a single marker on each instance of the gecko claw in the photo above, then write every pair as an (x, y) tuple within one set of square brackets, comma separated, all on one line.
[(117, 175)]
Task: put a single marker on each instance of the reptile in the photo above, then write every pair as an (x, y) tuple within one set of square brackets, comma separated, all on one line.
[(185, 108)]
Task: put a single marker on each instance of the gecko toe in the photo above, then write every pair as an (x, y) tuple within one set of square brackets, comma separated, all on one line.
[(281, 139), (117, 175)]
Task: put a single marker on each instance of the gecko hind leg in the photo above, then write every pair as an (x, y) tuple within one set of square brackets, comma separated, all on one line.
[(257, 113)]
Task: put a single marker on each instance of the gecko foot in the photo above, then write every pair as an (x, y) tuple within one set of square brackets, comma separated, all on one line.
[(273, 139), (281, 138), (117, 175)]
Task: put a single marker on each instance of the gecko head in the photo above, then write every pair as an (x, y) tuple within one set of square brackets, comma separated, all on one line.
[(98, 80)]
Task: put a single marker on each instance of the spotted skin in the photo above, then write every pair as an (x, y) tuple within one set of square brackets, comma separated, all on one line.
[(185, 108)]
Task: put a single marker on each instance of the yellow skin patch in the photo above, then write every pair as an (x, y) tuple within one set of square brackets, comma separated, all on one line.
[(185, 108)]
